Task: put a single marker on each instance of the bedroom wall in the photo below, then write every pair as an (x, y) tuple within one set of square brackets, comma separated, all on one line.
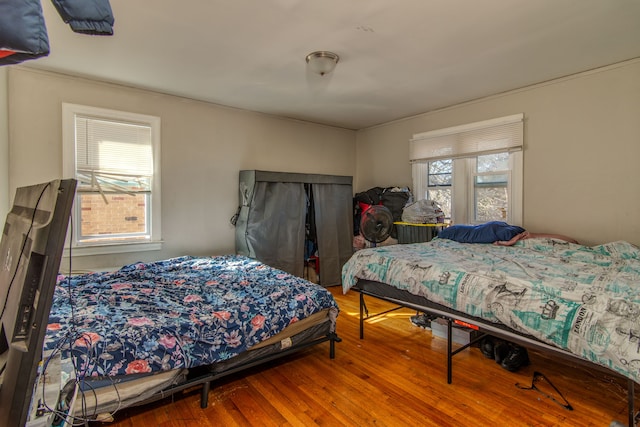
[(581, 153), (204, 146), (4, 145)]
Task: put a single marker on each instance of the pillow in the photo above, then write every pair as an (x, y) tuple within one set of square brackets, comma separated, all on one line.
[(482, 233)]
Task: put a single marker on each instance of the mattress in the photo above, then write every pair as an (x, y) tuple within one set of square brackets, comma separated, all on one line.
[(179, 313)]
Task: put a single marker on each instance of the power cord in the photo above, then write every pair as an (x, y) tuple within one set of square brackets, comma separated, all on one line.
[(64, 409)]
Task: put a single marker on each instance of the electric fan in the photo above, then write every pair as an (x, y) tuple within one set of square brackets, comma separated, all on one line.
[(376, 223)]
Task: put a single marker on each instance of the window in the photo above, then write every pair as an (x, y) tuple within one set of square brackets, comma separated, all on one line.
[(439, 181), (115, 157), (490, 188), (473, 171)]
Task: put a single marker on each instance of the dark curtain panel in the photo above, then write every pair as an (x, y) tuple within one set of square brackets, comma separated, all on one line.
[(275, 225), (334, 229)]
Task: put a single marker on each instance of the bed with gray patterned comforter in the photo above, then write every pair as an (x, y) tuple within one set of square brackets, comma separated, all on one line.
[(585, 300)]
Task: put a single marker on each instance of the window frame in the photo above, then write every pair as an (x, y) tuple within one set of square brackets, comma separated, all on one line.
[(514, 189), (69, 113), (448, 187)]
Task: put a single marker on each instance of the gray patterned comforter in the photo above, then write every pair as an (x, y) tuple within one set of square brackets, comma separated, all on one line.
[(582, 299)]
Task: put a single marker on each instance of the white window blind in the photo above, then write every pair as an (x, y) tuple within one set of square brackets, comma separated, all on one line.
[(489, 136), (113, 156)]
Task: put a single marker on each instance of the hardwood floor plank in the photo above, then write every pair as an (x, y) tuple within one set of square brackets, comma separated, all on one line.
[(257, 408), (296, 412), (317, 389), (395, 376)]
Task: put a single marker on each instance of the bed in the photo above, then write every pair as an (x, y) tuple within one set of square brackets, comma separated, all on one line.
[(576, 301), (148, 330)]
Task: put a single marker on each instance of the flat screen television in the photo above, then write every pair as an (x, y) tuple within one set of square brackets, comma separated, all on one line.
[(30, 253)]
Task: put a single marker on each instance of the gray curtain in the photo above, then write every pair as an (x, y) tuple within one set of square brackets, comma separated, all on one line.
[(270, 223), (334, 229), (276, 225)]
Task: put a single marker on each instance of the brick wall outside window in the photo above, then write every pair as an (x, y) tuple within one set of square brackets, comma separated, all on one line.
[(124, 214)]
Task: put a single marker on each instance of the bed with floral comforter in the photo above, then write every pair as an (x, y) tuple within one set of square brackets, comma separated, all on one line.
[(585, 300), (178, 313)]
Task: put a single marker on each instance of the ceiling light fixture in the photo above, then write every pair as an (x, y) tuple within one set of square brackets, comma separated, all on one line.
[(322, 62)]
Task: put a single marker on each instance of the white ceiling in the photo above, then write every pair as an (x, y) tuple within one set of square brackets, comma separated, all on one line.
[(398, 58)]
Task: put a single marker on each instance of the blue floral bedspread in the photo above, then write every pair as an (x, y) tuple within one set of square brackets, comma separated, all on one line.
[(582, 299), (177, 313)]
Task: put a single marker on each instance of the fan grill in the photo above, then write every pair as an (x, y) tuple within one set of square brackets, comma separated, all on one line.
[(376, 223)]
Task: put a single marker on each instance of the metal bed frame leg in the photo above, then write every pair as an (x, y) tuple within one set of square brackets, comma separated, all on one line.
[(334, 338), (364, 312), (630, 402), (204, 394), (449, 351), (362, 309), (332, 348)]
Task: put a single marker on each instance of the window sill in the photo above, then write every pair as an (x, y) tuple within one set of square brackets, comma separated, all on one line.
[(112, 249)]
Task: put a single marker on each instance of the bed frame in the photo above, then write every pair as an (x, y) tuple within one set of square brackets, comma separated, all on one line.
[(404, 299), (205, 376)]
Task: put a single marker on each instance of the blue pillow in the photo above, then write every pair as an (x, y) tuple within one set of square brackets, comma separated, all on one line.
[(482, 233)]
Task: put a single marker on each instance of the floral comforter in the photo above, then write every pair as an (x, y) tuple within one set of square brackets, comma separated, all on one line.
[(583, 299), (178, 313)]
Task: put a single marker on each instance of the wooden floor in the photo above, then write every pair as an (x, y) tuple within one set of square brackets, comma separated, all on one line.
[(395, 376)]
